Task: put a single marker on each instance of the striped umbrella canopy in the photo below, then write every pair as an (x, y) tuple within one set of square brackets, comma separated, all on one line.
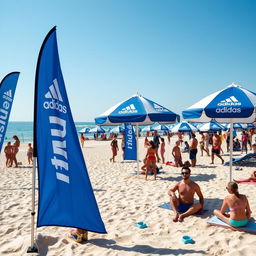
[(236, 126), (183, 127), (97, 129), (147, 128), (161, 127), (117, 129), (212, 126), (84, 130)]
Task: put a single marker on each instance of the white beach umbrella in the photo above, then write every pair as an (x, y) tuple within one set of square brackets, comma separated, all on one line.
[(183, 127)]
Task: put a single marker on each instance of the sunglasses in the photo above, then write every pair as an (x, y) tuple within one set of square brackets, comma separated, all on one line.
[(185, 173)]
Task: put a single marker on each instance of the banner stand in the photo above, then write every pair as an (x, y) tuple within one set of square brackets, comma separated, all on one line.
[(33, 248)]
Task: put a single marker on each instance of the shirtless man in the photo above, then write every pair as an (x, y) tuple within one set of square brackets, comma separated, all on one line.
[(177, 154), (193, 150), (216, 145), (184, 206)]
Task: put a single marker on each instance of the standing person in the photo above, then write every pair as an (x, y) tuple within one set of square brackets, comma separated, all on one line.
[(15, 150), (238, 204), (151, 159), (123, 144), (156, 140), (216, 143), (202, 144), (162, 149), (244, 141), (183, 205), (8, 154), (82, 139), (228, 139), (176, 153), (221, 140), (193, 149), (114, 148), (206, 143), (30, 153)]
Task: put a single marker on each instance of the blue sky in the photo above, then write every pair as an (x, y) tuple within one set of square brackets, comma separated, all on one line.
[(172, 52)]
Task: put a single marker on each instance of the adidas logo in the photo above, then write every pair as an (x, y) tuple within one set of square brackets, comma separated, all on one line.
[(54, 91), (54, 94), (159, 108), (8, 95), (129, 109), (231, 101)]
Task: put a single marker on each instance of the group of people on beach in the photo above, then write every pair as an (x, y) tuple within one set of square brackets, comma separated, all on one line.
[(11, 150), (183, 205)]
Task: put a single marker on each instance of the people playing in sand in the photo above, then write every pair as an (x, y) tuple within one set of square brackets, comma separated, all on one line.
[(114, 148), (30, 154), (162, 149), (252, 178), (193, 150), (82, 139), (216, 143), (151, 157), (8, 154), (15, 150), (238, 204), (156, 140), (176, 153), (183, 205)]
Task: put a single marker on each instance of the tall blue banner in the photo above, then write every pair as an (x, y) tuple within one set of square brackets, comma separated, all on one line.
[(66, 196), (130, 152), (7, 91)]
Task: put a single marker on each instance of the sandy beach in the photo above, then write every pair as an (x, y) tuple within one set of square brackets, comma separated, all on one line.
[(124, 199)]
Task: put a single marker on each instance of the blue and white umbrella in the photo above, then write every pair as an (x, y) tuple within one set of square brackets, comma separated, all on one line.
[(84, 130), (161, 127), (183, 127), (236, 126), (232, 104), (147, 128), (97, 129), (118, 129), (212, 126), (137, 110)]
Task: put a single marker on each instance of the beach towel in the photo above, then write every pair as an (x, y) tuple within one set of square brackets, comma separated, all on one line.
[(247, 157), (250, 227), (168, 207)]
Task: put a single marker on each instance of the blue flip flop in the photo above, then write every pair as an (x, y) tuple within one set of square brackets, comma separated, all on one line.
[(141, 225), (187, 240)]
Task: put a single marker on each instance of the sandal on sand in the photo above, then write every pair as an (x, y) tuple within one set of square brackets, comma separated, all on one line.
[(187, 240), (75, 236)]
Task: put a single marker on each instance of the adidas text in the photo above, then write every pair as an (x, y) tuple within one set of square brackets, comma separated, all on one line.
[(55, 105), (228, 110)]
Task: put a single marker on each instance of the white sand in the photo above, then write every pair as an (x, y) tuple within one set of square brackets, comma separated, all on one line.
[(125, 199)]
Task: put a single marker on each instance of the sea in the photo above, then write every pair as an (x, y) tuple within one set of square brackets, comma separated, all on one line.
[(24, 130)]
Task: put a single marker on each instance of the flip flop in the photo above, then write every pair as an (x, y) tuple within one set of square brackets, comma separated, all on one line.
[(141, 225), (187, 240)]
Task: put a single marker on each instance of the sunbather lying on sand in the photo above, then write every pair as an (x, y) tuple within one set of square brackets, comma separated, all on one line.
[(252, 178)]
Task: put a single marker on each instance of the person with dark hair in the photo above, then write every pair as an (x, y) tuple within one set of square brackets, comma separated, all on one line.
[(151, 160), (193, 150), (156, 140), (15, 150), (183, 205), (238, 204), (251, 178), (216, 146), (114, 148)]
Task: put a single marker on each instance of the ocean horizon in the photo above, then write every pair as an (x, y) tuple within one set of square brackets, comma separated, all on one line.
[(24, 130)]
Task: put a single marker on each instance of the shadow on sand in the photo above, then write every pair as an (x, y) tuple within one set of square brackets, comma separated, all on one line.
[(144, 249)]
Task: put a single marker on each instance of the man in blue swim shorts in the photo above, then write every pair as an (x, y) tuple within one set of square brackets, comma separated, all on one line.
[(193, 150), (183, 205)]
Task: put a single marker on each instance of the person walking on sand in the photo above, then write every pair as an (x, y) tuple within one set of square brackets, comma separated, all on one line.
[(30, 153), (151, 159), (162, 149), (156, 140), (183, 205), (15, 150), (8, 154), (216, 144), (193, 149), (176, 153), (114, 148), (82, 139), (202, 144), (239, 207)]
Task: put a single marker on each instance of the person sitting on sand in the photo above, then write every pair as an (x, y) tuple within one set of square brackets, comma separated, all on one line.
[(151, 157), (186, 148), (238, 204), (252, 178), (177, 154), (183, 205)]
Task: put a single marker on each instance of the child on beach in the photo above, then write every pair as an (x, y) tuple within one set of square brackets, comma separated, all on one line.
[(177, 154), (162, 149), (30, 153), (8, 154), (114, 148)]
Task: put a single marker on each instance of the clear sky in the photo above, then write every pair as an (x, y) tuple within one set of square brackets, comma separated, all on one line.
[(174, 52)]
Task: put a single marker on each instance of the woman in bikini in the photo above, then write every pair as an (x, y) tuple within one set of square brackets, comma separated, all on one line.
[(15, 150), (151, 159), (238, 204), (252, 178)]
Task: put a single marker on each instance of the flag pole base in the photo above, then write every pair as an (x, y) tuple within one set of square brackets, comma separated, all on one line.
[(32, 249)]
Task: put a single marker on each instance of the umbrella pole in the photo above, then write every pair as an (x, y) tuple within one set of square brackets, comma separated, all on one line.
[(231, 150), (137, 145)]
